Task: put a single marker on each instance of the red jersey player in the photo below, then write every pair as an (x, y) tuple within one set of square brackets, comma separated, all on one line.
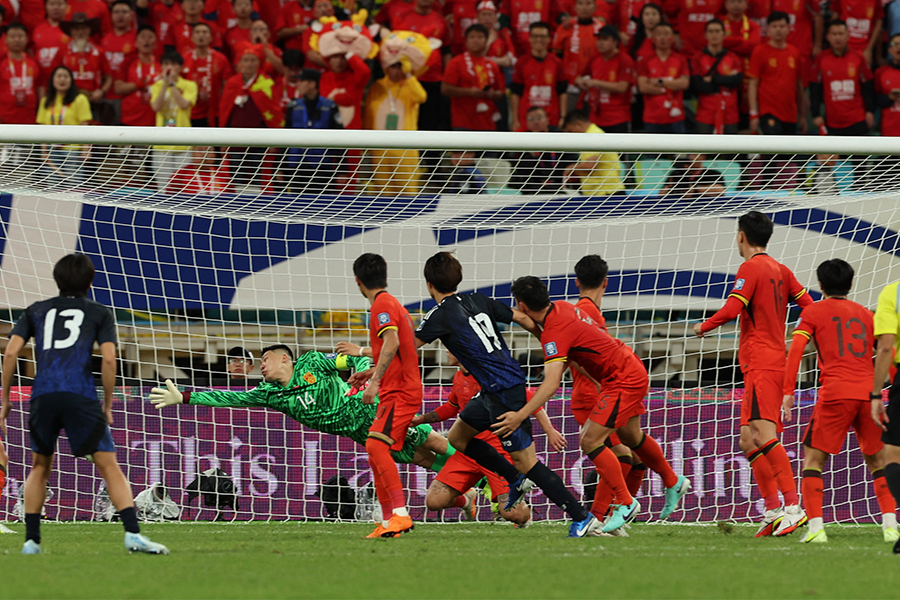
[(459, 474), (608, 81), (18, 79), (762, 289), (887, 88), (539, 79), (845, 340), (568, 335), (396, 380)]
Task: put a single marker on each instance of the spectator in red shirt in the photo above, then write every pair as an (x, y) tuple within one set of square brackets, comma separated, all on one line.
[(209, 69), (119, 47), (804, 29), (160, 15), (259, 34), (392, 10), (742, 34), (627, 17), (843, 81), (501, 48), (608, 81), (91, 9), (133, 84), (241, 31), (887, 88), (290, 89), (47, 38), (460, 14), (662, 79), (344, 83), (474, 85), (525, 13), (716, 79), (539, 79), (434, 114), (321, 8), (640, 44), (778, 105), (575, 43), (87, 64), (293, 20), (178, 34), (693, 15), (864, 23), (18, 79)]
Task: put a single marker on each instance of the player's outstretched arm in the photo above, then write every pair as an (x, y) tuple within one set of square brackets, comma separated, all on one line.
[(170, 395), (727, 313), (15, 345), (351, 349), (526, 322), (510, 421), (166, 396)]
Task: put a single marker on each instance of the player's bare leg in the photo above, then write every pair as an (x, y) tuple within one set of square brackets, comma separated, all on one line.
[(121, 497), (892, 475), (886, 503), (652, 455), (4, 461), (35, 494), (811, 485)]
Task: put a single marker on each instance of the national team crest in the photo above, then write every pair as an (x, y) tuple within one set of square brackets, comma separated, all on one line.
[(739, 284), (550, 348), (791, 62), (309, 378), (851, 71), (384, 318)]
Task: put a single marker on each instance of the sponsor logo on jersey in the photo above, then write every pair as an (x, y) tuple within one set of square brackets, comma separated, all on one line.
[(384, 318), (309, 378), (550, 348), (739, 284), (331, 355)]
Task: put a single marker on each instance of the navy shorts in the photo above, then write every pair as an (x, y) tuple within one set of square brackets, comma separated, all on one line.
[(81, 417), (485, 408)]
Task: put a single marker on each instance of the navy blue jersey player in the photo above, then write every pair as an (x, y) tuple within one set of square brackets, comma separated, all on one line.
[(467, 326), (64, 395)]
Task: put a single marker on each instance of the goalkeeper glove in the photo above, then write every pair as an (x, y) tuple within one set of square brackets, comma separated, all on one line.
[(165, 396)]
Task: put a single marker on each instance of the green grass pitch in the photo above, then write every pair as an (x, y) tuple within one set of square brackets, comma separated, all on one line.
[(485, 560)]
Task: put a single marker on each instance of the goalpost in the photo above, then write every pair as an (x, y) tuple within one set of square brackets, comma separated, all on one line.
[(201, 250)]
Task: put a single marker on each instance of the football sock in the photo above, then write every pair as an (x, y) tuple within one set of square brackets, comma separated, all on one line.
[(554, 488), (460, 501), (652, 456), (811, 485), (892, 476), (815, 524), (611, 473), (488, 457), (33, 527), (765, 479), (604, 494), (130, 520), (2, 478), (441, 459), (781, 467), (886, 502), (635, 476), (376, 461)]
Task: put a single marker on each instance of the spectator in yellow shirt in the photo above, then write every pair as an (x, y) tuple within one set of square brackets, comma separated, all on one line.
[(64, 104), (599, 172), (172, 98)]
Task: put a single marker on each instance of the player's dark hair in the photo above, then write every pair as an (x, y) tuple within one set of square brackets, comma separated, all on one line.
[(777, 15), (292, 58), (117, 2), (17, 25), (533, 109), (171, 56), (757, 227), (835, 277), (576, 116), (73, 274), (142, 28), (278, 347), (477, 27), (444, 272), (835, 23), (201, 24), (662, 24), (539, 25), (641, 32), (71, 93), (371, 269), (591, 271), (531, 291), (714, 22)]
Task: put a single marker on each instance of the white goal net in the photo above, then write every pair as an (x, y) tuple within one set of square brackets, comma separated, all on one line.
[(206, 240)]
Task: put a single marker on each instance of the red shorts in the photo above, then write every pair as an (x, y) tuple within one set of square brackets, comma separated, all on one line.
[(831, 421), (392, 418), (461, 472), (618, 404), (762, 397)]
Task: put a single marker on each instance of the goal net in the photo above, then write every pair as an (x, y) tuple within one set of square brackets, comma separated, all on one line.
[(207, 240)]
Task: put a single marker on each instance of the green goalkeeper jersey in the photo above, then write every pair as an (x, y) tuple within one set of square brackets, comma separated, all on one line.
[(316, 396)]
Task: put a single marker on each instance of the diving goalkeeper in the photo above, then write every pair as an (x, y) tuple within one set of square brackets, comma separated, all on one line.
[(311, 392)]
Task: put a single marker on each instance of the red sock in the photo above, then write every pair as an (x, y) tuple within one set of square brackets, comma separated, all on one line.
[(635, 477), (610, 472), (460, 501), (886, 502), (378, 450), (652, 456), (811, 485), (781, 468), (604, 494), (765, 479), (3, 479)]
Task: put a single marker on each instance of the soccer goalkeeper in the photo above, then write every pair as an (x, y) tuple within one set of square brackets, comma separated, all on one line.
[(311, 392)]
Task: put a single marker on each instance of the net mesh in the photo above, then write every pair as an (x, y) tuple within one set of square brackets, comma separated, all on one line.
[(200, 249)]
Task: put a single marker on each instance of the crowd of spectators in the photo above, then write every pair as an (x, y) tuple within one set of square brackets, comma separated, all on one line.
[(585, 66)]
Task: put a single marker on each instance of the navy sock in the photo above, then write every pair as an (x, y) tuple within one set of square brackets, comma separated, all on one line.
[(554, 488), (129, 520), (33, 527), (892, 476), (488, 457)]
